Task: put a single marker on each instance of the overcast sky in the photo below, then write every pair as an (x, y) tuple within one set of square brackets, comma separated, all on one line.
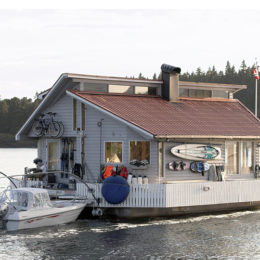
[(36, 46)]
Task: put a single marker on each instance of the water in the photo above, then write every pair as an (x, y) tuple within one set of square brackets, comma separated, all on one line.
[(13, 162), (222, 236)]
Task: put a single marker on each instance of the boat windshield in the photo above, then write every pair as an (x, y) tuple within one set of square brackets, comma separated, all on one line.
[(18, 199), (41, 200), (25, 200)]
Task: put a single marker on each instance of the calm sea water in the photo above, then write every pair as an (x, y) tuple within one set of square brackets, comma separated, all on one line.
[(13, 162), (221, 236)]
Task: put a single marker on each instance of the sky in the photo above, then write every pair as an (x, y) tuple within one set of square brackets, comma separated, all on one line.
[(38, 44)]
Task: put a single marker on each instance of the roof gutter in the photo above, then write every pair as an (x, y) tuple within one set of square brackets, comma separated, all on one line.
[(138, 129), (56, 84), (204, 137), (115, 79)]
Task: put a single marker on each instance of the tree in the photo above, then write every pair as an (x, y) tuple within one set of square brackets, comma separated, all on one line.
[(141, 76)]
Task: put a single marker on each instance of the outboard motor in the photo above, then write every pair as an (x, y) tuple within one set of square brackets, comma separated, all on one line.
[(3, 209), (3, 204)]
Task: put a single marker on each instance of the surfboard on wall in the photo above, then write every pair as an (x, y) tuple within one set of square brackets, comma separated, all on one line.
[(196, 152)]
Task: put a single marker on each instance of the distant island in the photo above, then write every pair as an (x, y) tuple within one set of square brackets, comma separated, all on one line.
[(8, 141), (14, 112)]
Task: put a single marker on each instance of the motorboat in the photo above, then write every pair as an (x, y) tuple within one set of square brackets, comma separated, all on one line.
[(24, 208)]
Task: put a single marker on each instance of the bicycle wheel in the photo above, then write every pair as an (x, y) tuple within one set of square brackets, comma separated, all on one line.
[(37, 128), (61, 129), (54, 129)]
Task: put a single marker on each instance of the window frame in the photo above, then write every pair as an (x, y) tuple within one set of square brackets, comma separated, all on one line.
[(239, 157), (104, 154), (129, 151), (48, 141), (251, 168)]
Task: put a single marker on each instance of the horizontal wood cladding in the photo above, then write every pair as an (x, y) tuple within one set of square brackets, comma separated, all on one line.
[(187, 174), (112, 131)]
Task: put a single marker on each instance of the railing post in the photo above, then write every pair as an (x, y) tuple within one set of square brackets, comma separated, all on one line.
[(25, 177)]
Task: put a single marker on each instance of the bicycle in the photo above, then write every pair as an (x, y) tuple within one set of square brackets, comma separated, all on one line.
[(46, 125)]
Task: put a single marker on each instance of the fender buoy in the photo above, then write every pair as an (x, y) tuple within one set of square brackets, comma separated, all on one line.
[(115, 189)]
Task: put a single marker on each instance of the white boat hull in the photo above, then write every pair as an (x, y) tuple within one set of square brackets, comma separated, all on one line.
[(44, 217)]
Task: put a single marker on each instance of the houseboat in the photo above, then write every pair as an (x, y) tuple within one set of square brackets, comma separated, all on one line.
[(187, 147)]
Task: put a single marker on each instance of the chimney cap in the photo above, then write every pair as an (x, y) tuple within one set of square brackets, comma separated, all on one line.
[(170, 69)]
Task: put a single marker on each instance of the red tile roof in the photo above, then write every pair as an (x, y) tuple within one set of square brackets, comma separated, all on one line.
[(187, 117)]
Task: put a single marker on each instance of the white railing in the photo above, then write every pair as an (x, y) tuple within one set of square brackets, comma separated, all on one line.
[(140, 195), (29, 183), (181, 194)]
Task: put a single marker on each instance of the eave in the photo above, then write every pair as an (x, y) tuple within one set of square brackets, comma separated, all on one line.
[(205, 137)]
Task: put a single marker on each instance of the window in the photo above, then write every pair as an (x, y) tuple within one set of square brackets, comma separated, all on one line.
[(246, 156), (74, 114), (220, 93), (140, 150), (199, 93), (41, 200), (94, 87), (141, 90), (231, 157), (239, 155), (113, 152), (53, 155), (183, 92), (83, 116), (161, 159), (121, 89)]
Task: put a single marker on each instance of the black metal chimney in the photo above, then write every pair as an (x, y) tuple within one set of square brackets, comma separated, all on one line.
[(170, 77)]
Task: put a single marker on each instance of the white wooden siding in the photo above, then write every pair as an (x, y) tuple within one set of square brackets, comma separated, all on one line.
[(187, 174), (112, 130)]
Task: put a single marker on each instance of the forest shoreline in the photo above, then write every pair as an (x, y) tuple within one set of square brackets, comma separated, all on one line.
[(8, 141)]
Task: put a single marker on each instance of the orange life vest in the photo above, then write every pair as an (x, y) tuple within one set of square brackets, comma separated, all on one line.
[(123, 173), (108, 171)]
